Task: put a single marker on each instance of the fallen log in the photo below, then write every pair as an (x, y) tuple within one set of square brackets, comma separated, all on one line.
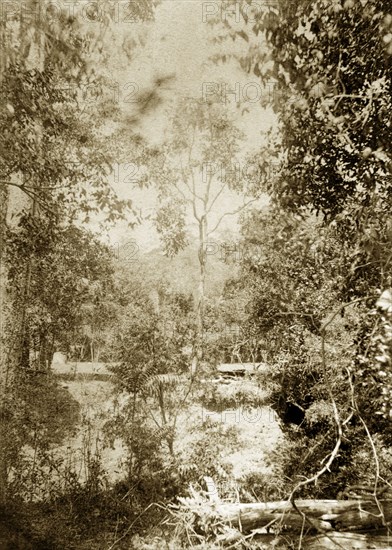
[(313, 524), (325, 515), (282, 516)]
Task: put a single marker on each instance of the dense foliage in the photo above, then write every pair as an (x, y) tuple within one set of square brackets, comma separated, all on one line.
[(309, 291), (67, 287), (327, 76)]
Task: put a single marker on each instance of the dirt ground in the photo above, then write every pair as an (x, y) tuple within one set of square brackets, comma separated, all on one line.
[(258, 431)]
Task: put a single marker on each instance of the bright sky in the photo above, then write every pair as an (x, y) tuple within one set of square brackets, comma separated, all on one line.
[(178, 43)]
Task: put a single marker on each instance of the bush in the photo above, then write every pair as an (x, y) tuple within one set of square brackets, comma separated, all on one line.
[(228, 394)]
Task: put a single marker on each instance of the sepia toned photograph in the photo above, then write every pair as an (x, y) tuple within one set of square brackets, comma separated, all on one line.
[(196, 274)]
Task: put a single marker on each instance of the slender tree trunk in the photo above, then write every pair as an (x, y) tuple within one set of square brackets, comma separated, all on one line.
[(161, 401), (199, 340), (3, 347)]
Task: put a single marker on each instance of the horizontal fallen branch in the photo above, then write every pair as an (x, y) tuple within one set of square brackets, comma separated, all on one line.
[(350, 515), (347, 524), (325, 515)]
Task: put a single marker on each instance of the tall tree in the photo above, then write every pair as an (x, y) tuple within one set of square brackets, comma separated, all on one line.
[(327, 72), (52, 163), (194, 169)]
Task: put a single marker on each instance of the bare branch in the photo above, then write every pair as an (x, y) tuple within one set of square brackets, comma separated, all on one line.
[(12, 183), (181, 192), (195, 213), (207, 193), (300, 314), (374, 450), (31, 192), (216, 197), (232, 213)]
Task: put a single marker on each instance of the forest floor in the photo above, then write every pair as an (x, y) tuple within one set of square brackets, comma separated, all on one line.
[(253, 432), (97, 403), (220, 439)]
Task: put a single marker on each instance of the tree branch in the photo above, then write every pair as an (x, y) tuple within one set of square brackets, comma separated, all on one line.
[(195, 214), (230, 214), (374, 450), (216, 197)]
